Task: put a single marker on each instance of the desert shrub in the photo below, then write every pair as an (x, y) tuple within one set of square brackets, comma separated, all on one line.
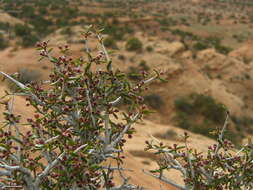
[(221, 166), (134, 44), (71, 134), (22, 30), (27, 11), (200, 46), (128, 30), (205, 128), (3, 42), (44, 26), (200, 114), (244, 123), (155, 101), (110, 43), (167, 22), (208, 107), (239, 38), (4, 26), (183, 105), (185, 34), (26, 34), (223, 49), (149, 48), (113, 31), (143, 66), (29, 41), (117, 32), (216, 43), (183, 120)]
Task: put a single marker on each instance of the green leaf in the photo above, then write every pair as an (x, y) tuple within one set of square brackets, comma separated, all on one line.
[(4, 146), (87, 67), (16, 139), (38, 146), (54, 60), (158, 76), (38, 158), (120, 75), (50, 50), (95, 166), (134, 75), (101, 30), (163, 80), (109, 65), (155, 171), (41, 58), (181, 147), (104, 175)]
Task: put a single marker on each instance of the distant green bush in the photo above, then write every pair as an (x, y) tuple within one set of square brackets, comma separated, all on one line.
[(22, 30), (208, 107), (25, 33), (201, 114), (167, 22), (155, 101), (182, 120), (215, 42), (28, 11), (223, 49), (200, 46), (143, 65), (117, 32), (3, 42), (149, 48), (4, 26), (185, 34), (110, 42), (184, 105), (29, 41), (243, 123), (134, 44)]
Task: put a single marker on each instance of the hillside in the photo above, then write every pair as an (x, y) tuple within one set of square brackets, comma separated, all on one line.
[(202, 47)]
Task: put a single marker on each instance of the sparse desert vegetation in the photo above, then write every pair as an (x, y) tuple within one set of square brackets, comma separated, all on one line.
[(201, 51)]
